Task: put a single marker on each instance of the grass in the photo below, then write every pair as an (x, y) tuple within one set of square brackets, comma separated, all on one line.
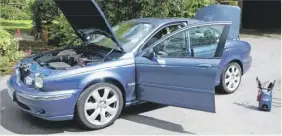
[(13, 25)]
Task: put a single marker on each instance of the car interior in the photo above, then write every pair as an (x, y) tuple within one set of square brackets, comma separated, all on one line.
[(163, 32), (203, 42)]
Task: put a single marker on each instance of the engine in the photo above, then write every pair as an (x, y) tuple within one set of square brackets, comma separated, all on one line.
[(61, 60)]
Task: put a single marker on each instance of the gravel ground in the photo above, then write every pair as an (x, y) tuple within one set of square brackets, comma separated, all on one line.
[(235, 114)]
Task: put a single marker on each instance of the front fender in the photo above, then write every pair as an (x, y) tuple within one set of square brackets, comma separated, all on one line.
[(125, 75), (100, 76)]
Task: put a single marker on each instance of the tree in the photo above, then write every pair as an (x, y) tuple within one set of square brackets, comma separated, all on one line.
[(117, 11), (120, 10), (44, 12)]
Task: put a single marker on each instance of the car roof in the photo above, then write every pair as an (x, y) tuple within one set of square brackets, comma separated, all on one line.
[(163, 21)]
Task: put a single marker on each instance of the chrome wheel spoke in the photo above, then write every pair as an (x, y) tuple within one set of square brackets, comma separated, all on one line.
[(227, 80), (237, 78), (237, 74), (111, 110), (94, 115), (233, 68), (106, 93), (91, 106), (228, 73), (103, 116), (111, 100), (96, 95), (231, 84)]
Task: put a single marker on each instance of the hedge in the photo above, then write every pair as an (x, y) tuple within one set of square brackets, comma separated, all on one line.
[(11, 13), (9, 53)]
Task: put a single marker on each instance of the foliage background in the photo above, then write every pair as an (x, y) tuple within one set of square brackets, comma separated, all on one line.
[(12, 13), (115, 11), (15, 9), (9, 53), (45, 14)]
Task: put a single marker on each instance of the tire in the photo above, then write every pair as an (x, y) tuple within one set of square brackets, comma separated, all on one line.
[(84, 117), (224, 86)]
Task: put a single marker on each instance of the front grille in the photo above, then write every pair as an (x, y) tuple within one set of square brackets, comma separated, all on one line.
[(23, 105), (23, 73)]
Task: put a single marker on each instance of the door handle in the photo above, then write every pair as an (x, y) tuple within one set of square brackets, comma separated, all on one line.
[(205, 65)]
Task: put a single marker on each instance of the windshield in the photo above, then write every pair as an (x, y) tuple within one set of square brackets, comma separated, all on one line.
[(128, 33)]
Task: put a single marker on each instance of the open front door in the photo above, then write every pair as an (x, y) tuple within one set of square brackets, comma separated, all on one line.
[(172, 74)]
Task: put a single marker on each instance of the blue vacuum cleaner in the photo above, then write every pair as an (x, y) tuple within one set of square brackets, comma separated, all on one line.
[(264, 96)]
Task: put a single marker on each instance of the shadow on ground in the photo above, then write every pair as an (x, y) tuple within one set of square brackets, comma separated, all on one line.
[(251, 107), (276, 103), (19, 122), (131, 115)]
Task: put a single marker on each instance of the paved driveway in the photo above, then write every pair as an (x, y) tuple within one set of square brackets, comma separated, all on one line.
[(235, 114)]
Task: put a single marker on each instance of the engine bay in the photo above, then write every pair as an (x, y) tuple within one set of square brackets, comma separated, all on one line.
[(76, 57)]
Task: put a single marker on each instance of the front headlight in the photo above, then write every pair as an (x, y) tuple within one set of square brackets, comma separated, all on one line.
[(38, 82)]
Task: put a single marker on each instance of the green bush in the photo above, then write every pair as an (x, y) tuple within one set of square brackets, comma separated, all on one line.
[(14, 1), (8, 44), (171, 8), (4, 64), (62, 32), (12, 13), (233, 3), (149, 8), (9, 53)]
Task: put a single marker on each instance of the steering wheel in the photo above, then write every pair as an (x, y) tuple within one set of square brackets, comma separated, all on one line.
[(162, 53)]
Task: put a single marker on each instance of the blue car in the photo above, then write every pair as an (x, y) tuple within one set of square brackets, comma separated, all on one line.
[(171, 61)]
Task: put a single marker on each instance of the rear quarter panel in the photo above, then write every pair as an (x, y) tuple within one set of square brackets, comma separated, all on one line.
[(235, 51)]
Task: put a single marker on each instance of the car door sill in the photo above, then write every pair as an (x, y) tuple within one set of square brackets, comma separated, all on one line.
[(176, 88), (135, 102)]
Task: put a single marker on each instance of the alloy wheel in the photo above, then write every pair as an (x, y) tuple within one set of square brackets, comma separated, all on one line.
[(232, 77), (101, 106)]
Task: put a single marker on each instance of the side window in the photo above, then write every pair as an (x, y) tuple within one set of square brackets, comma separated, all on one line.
[(174, 46), (204, 40), (165, 31), (173, 28)]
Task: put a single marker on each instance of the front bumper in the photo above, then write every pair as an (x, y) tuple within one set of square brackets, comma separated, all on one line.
[(51, 105)]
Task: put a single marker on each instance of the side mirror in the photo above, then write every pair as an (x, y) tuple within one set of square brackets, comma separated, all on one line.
[(150, 54)]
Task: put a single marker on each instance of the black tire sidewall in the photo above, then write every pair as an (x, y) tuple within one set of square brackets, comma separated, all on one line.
[(81, 101), (223, 86)]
